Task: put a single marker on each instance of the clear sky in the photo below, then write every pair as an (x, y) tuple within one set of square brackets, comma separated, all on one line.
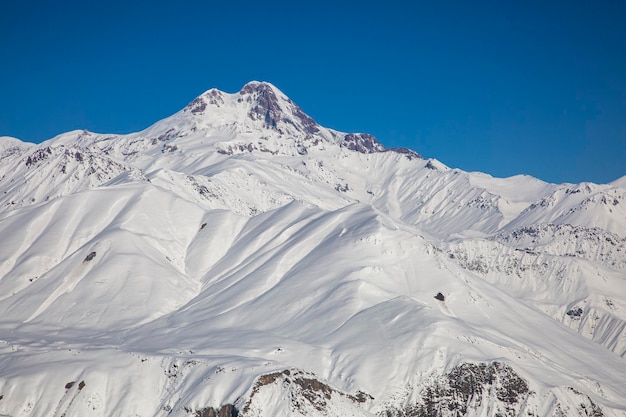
[(503, 87)]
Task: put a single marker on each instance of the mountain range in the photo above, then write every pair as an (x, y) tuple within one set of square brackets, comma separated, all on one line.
[(239, 259)]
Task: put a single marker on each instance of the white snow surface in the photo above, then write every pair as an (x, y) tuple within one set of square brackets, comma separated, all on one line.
[(237, 249)]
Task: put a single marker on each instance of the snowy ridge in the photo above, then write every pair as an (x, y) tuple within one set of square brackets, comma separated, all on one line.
[(585, 204), (237, 258), (46, 172), (10, 146)]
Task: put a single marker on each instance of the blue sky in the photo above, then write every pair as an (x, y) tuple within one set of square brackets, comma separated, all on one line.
[(528, 87)]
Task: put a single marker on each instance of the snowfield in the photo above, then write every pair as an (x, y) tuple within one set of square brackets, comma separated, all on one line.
[(237, 258)]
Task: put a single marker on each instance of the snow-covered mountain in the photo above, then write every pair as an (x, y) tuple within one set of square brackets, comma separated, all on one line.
[(237, 258)]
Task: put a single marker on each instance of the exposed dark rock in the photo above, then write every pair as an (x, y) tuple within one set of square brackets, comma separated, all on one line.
[(408, 153), (170, 134), (440, 297), (269, 120), (430, 165), (583, 242), (268, 379), (575, 312), (343, 188), (312, 387), (81, 385), (198, 105), (70, 384), (483, 202), (265, 106), (362, 142), (215, 97), (237, 148), (227, 410), (169, 148), (587, 407), (366, 143), (308, 124), (90, 257), (306, 388), (362, 397), (462, 390), (262, 381), (38, 155)]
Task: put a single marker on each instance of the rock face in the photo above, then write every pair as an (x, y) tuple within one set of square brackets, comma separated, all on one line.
[(303, 393), (47, 172), (470, 389), (266, 106), (239, 259), (487, 389), (264, 102), (227, 410), (363, 143)]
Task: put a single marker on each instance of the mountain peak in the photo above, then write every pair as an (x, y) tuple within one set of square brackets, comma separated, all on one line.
[(141, 274), (275, 109), (258, 87), (269, 108), (265, 104), (261, 101)]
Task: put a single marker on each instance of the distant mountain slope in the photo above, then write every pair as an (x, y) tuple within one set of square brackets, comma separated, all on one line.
[(237, 258)]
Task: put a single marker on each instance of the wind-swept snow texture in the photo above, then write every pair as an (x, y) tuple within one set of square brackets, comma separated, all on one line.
[(237, 258)]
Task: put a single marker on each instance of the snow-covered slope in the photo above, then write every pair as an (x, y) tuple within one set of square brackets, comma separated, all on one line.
[(237, 258)]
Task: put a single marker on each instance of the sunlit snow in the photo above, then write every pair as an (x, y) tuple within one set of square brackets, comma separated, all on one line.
[(239, 253)]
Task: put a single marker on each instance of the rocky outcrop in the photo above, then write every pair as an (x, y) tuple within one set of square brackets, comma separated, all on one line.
[(362, 142), (264, 103), (274, 112), (306, 395), (227, 410), (366, 143), (470, 389), (197, 106), (591, 243), (48, 172)]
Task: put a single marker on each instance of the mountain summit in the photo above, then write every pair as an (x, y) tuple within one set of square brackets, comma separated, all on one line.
[(260, 102), (238, 258), (260, 106)]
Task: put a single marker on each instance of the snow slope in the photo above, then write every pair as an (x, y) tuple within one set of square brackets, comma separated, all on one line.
[(237, 258)]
